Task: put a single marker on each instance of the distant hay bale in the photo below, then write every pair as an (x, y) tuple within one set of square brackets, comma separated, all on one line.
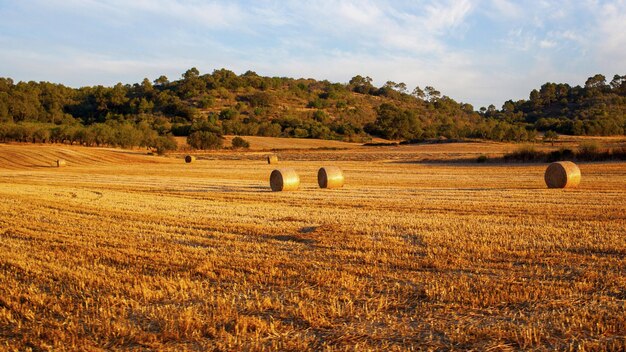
[(562, 174), (190, 159), (61, 163), (272, 159), (330, 177), (284, 180)]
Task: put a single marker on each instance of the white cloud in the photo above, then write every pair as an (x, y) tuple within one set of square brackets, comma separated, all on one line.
[(207, 14), (611, 37), (362, 13), (212, 14), (442, 16), (519, 39), (547, 44), (75, 68), (504, 10)]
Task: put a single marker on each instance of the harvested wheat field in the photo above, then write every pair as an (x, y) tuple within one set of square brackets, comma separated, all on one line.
[(120, 250)]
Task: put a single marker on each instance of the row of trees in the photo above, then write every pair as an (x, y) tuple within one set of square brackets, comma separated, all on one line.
[(98, 134)]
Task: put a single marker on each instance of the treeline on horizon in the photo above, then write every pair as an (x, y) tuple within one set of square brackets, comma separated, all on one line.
[(205, 107)]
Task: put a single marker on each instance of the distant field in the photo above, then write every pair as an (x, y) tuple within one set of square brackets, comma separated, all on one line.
[(268, 143), (121, 250), (302, 148)]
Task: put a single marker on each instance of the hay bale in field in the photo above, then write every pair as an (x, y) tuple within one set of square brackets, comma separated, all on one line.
[(284, 180), (330, 177), (562, 174), (272, 159), (61, 163), (190, 159)]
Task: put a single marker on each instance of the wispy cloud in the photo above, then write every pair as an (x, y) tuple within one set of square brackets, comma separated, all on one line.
[(611, 37), (504, 10), (446, 15), (546, 44)]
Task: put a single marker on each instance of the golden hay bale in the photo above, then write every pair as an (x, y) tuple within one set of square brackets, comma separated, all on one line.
[(190, 159), (284, 180), (330, 177), (562, 174), (272, 159), (61, 163)]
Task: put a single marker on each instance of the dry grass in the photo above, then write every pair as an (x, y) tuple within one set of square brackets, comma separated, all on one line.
[(268, 143), (123, 251)]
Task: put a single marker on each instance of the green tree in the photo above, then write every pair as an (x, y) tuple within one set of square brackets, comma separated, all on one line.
[(360, 84), (597, 81), (418, 93), (164, 144), (550, 136), (393, 122), (161, 82), (432, 94)]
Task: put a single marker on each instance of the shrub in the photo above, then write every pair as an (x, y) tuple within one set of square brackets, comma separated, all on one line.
[(205, 140), (591, 151), (619, 153), (482, 159), (164, 144), (239, 142), (181, 130), (561, 155), (525, 154), (589, 147)]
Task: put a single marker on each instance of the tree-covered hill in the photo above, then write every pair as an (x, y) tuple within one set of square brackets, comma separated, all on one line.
[(205, 106), (597, 108)]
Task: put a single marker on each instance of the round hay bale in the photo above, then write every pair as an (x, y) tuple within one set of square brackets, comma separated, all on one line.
[(284, 180), (562, 174), (61, 163), (272, 159), (330, 177), (190, 159)]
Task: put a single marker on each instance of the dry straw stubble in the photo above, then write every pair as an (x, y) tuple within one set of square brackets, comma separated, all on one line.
[(330, 177), (286, 179), (562, 174)]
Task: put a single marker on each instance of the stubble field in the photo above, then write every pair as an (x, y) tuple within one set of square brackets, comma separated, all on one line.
[(120, 250)]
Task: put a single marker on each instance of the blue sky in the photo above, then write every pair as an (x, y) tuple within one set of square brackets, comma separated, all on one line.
[(475, 51)]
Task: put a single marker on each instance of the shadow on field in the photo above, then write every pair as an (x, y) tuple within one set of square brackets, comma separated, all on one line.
[(477, 189), (221, 189), (465, 162), (293, 238), (461, 161), (619, 253)]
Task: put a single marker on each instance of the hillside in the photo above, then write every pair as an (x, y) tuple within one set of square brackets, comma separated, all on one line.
[(225, 103), (202, 108), (597, 108)]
